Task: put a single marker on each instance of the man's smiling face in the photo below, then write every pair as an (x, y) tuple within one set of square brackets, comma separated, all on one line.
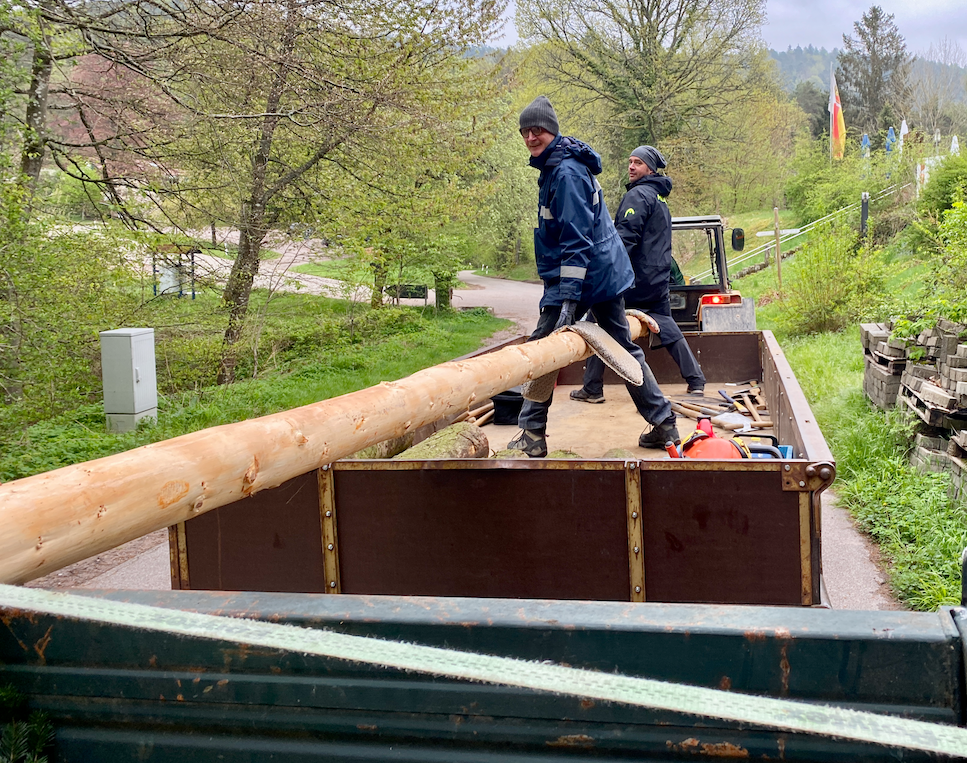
[(637, 169), (536, 139)]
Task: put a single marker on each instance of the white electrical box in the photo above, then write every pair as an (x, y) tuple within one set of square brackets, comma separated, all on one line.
[(129, 378)]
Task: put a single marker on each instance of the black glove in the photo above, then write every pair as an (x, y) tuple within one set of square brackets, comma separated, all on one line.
[(566, 318)]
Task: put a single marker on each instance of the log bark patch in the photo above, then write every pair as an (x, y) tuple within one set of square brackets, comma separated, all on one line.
[(463, 440)]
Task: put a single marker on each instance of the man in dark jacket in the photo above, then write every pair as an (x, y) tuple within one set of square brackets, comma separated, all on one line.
[(582, 262), (644, 224)]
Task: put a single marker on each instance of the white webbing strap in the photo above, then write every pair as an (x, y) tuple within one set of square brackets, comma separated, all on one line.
[(641, 692)]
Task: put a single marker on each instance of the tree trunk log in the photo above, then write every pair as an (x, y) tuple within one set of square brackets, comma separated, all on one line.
[(463, 440), (54, 519), (35, 136)]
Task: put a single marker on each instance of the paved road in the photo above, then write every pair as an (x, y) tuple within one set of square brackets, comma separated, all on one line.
[(852, 576), (515, 300)]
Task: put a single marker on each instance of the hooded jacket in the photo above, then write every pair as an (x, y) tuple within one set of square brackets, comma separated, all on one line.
[(579, 253), (645, 226)]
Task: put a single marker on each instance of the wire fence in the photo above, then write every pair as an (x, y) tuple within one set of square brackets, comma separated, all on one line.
[(760, 250)]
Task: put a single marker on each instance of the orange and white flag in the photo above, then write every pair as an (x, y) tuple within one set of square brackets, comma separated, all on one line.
[(837, 127)]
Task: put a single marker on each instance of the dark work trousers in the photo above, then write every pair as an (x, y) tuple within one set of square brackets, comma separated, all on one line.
[(610, 316), (677, 347)]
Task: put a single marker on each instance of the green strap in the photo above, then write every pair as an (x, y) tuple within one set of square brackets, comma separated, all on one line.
[(781, 714)]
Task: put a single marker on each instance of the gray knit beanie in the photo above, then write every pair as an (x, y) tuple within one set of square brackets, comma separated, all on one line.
[(650, 156), (540, 113)]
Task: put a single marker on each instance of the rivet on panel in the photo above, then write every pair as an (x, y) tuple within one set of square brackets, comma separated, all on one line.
[(636, 549), (328, 513), (330, 547), (787, 468), (634, 515), (332, 585), (802, 484), (637, 589)]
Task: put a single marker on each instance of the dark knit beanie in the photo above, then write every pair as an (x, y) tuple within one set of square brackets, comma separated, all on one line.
[(540, 113), (650, 156)]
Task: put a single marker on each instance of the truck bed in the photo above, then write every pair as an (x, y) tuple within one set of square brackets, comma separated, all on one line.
[(642, 527), (591, 430)]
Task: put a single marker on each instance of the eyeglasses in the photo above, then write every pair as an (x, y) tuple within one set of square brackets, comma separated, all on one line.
[(526, 132)]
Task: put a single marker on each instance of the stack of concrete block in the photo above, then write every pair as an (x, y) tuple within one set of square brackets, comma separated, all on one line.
[(940, 341), (933, 386), (953, 375), (884, 359), (930, 454)]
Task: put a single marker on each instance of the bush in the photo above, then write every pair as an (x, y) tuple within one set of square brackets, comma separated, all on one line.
[(833, 282), (946, 185), (819, 187)]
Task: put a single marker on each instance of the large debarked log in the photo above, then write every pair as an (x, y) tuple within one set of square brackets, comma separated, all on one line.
[(54, 519)]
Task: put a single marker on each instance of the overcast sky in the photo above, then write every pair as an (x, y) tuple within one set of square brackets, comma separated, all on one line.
[(822, 23)]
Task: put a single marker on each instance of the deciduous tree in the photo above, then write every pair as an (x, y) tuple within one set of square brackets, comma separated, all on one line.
[(658, 67), (936, 88), (260, 97)]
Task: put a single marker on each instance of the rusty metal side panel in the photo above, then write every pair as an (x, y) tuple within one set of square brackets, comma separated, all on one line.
[(726, 533), (483, 531), (271, 541), (724, 357)]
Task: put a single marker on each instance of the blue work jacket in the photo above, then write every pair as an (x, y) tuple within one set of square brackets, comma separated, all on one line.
[(579, 254)]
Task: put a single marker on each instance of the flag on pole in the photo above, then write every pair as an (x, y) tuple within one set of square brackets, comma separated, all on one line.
[(903, 131), (837, 127)]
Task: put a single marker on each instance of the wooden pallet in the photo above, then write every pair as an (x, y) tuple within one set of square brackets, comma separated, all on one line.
[(894, 365), (929, 414)]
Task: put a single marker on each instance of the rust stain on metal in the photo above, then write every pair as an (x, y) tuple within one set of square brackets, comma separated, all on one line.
[(686, 745), (725, 684), (171, 492), (367, 727), (7, 618), (572, 740), (725, 750), (755, 635), (785, 667), (712, 750), (223, 682), (41, 646), (587, 704)]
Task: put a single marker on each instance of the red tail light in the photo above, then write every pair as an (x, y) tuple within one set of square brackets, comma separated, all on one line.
[(732, 298)]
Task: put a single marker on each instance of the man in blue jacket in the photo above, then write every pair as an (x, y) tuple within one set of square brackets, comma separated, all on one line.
[(582, 262), (645, 226)]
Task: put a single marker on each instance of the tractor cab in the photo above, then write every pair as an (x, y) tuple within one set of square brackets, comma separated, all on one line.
[(707, 301)]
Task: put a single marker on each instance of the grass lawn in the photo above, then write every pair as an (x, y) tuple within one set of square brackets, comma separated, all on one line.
[(318, 359)]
